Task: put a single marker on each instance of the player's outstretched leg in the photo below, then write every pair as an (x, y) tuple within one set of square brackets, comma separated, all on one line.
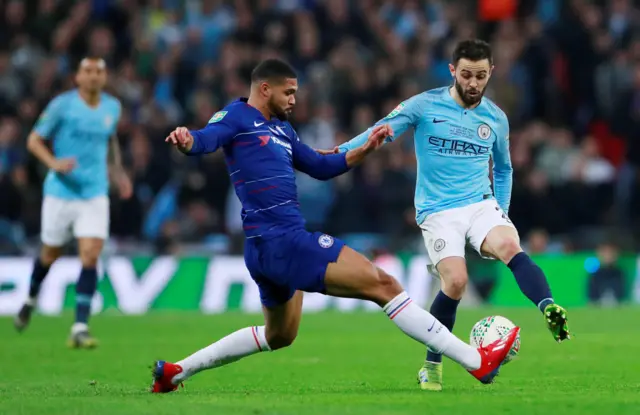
[(41, 266), (454, 279), (502, 242), (86, 286), (353, 276), (279, 331)]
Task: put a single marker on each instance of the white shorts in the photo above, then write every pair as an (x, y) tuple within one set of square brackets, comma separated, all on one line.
[(62, 219), (447, 233)]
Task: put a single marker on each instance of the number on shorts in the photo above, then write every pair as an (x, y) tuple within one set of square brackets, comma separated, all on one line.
[(504, 215)]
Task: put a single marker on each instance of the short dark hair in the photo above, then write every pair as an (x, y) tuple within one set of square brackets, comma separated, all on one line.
[(473, 50), (272, 70)]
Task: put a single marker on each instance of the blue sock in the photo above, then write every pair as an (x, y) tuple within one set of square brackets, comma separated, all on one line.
[(444, 309), (531, 280), (38, 274), (85, 288)]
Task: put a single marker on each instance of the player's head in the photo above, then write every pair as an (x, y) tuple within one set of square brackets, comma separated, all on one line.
[(92, 74), (276, 83), (471, 69)]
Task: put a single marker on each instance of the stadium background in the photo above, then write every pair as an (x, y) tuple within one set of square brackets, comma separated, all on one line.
[(567, 75)]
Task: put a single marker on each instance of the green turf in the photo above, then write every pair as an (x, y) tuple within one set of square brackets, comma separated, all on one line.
[(340, 364)]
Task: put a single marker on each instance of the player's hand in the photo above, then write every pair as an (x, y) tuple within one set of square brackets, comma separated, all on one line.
[(63, 165), (181, 138), (334, 150), (377, 137), (125, 188)]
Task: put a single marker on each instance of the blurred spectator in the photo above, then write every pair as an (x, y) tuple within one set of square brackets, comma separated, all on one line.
[(12, 182), (555, 155), (607, 280), (538, 242), (586, 166)]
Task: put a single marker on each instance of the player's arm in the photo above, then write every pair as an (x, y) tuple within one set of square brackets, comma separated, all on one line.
[(44, 129), (502, 169), (115, 154), (116, 168), (325, 167), (219, 131), (404, 116)]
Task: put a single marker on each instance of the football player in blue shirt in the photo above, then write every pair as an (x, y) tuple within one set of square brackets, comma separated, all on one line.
[(457, 132), (81, 125), (262, 151)]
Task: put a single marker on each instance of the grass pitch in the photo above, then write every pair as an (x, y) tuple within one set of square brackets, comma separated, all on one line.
[(340, 364)]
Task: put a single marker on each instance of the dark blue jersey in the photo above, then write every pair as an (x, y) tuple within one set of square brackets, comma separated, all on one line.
[(261, 155)]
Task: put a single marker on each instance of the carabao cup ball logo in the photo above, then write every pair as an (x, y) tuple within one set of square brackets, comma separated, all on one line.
[(325, 241), (396, 110)]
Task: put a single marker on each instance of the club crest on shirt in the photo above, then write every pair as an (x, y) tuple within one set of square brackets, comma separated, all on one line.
[(108, 120), (325, 241), (484, 131)]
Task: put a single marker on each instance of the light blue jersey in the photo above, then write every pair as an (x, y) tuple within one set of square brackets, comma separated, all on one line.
[(81, 132), (453, 146)]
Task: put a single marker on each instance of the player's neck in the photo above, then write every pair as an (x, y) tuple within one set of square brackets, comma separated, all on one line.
[(91, 98), (456, 97), (259, 106)]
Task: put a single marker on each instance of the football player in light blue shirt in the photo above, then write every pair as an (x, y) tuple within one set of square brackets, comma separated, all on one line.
[(457, 132), (81, 125)]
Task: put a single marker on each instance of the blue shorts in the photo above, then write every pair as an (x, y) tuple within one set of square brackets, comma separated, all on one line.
[(294, 261)]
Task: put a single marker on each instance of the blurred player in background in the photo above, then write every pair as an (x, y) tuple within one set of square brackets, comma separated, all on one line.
[(81, 124), (262, 150), (456, 133)]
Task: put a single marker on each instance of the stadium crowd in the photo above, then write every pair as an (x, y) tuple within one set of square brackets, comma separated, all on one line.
[(567, 73)]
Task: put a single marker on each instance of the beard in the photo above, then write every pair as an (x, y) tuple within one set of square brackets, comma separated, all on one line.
[(282, 115), (468, 99), (92, 87)]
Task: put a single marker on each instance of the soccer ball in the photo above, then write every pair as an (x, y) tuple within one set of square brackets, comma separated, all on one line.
[(492, 328)]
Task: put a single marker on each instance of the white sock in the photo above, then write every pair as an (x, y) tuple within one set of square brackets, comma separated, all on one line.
[(79, 327), (420, 325), (235, 346)]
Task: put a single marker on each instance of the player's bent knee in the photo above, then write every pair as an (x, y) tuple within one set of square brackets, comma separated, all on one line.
[(89, 258), (388, 283), (453, 272), (456, 283), (279, 340), (49, 254), (90, 252), (385, 288), (507, 248)]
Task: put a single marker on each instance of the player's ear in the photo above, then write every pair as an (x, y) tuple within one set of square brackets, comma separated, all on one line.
[(265, 89), (452, 70)]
